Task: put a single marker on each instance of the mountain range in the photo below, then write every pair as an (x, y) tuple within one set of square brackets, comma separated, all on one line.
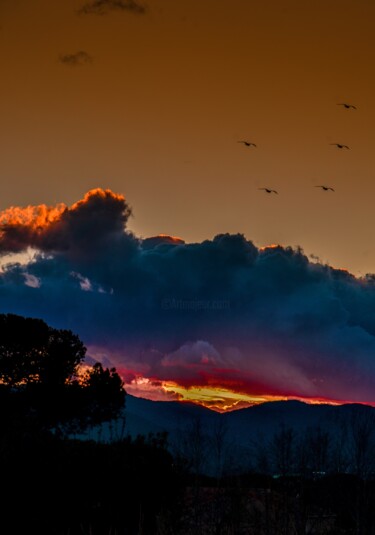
[(197, 432)]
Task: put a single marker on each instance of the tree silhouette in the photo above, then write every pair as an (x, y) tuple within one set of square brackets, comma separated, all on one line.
[(42, 382), (104, 393), (33, 352)]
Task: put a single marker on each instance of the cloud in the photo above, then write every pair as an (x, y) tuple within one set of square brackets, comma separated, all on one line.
[(161, 240), (77, 59), (101, 7), (84, 282), (32, 281), (193, 354), (101, 215), (220, 313)]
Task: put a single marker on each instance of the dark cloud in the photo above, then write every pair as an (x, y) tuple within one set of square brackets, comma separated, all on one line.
[(221, 312), (101, 7), (98, 221), (77, 59), (160, 240)]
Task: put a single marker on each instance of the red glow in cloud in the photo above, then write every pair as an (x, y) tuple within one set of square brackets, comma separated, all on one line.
[(191, 375), (216, 398), (199, 373)]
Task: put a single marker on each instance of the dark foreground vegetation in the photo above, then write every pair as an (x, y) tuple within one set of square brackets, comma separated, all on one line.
[(61, 486), (52, 483), (134, 486)]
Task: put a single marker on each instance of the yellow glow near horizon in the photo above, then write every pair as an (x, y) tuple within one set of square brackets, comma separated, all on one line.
[(225, 400), (217, 399)]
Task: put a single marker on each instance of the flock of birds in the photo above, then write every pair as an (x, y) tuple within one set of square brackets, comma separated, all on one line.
[(338, 145)]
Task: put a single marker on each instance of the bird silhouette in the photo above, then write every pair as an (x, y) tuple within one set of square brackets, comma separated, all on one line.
[(347, 106), (326, 188), (247, 143), (340, 146), (268, 190)]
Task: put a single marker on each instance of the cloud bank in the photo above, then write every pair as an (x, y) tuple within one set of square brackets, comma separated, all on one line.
[(220, 314)]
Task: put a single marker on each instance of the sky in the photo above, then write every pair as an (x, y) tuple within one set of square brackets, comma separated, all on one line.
[(148, 102)]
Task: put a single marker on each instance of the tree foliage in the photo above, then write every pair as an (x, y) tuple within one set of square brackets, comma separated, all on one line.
[(42, 379)]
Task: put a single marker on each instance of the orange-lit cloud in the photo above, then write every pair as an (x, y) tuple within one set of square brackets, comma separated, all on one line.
[(41, 216), (34, 217), (270, 246), (290, 328), (98, 193), (53, 228), (173, 239)]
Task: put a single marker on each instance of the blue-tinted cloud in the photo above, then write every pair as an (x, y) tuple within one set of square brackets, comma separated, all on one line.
[(219, 312)]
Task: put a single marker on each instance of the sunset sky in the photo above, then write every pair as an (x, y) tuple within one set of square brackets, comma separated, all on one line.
[(148, 101)]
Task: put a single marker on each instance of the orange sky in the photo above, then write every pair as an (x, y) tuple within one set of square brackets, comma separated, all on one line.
[(156, 111)]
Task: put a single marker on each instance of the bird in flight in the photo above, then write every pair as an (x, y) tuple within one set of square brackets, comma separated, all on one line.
[(347, 106), (326, 188), (268, 190), (247, 143), (340, 146)]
